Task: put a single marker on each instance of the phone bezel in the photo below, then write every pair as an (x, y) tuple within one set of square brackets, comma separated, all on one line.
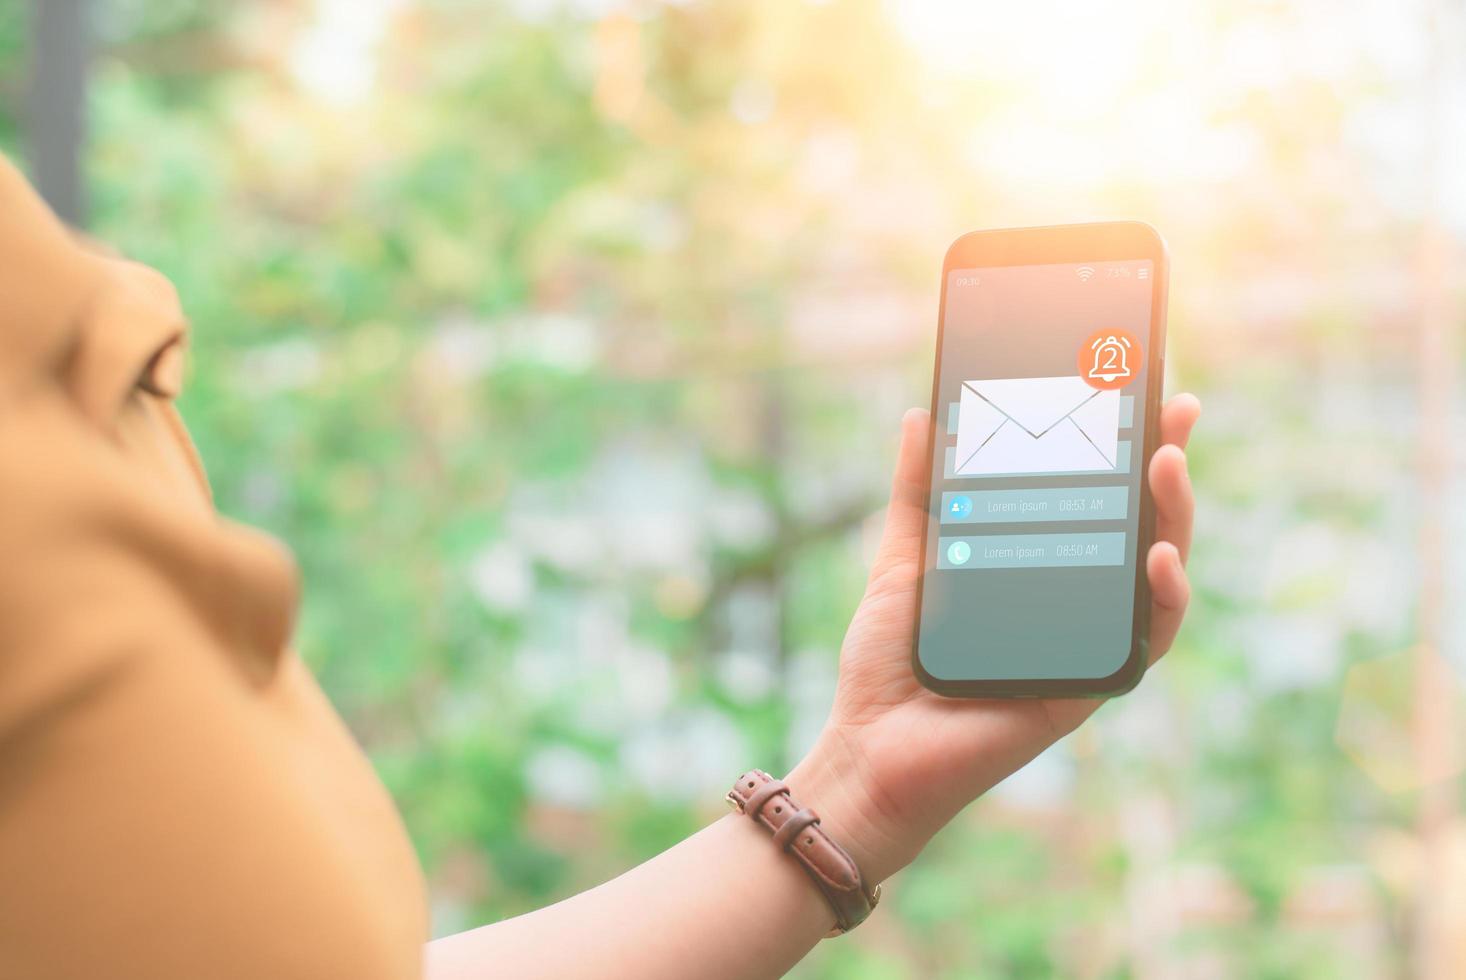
[(1053, 245)]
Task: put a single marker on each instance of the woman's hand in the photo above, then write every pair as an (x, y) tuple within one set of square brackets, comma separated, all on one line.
[(895, 761), (893, 765)]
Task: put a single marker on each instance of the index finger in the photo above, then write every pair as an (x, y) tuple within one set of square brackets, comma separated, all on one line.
[(1178, 416)]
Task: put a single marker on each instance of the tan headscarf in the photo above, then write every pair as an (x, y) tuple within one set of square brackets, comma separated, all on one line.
[(177, 798)]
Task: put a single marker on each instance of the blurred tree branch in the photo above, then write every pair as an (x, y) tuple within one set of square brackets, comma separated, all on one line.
[(196, 52)]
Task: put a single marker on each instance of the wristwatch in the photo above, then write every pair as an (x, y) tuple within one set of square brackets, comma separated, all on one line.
[(797, 831)]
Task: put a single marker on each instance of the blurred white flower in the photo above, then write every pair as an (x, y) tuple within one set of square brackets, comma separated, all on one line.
[(502, 578), (739, 518), (688, 755), (558, 340), (563, 776), (649, 503), (746, 675), (810, 689), (285, 365), (1291, 652), (752, 102), (336, 58), (1046, 783), (556, 530), (463, 348)]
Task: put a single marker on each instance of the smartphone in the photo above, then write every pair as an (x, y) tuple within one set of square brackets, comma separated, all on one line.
[(1045, 405)]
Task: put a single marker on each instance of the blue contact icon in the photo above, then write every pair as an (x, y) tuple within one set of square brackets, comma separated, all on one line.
[(958, 552), (959, 506)]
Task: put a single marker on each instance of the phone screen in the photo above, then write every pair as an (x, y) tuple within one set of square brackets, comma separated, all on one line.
[(1036, 472)]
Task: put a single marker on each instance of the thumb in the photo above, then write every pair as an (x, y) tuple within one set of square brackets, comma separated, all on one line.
[(906, 514)]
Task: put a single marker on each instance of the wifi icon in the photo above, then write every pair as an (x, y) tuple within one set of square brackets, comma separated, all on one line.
[(1085, 273)]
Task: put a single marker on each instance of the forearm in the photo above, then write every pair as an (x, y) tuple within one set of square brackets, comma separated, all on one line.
[(725, 904), (722, 904)]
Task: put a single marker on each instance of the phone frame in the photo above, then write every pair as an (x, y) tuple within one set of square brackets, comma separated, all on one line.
[(1054, 245)]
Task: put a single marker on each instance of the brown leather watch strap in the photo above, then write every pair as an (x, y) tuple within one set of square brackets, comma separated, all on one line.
[(796, 829)]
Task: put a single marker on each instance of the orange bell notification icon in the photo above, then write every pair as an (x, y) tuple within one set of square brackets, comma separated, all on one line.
[(1110, 359)]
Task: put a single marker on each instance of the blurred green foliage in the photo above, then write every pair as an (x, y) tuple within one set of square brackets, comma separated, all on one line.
[(568, 356)]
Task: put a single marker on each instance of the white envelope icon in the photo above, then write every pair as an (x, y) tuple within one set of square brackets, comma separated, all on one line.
[(1036, 425)]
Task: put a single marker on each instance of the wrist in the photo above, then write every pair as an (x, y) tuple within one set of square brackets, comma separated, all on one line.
[(831, 780)]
